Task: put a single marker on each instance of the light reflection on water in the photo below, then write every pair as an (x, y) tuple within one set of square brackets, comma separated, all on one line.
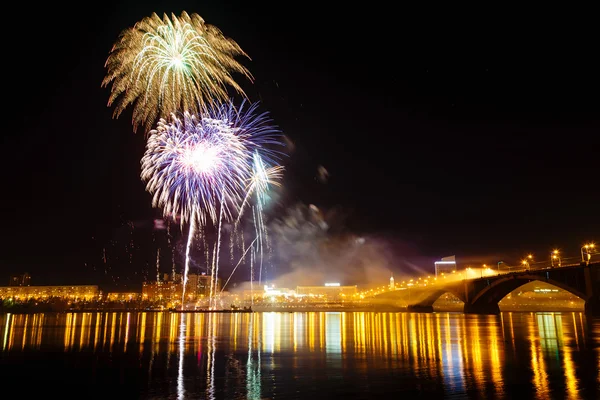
[(355, 354)]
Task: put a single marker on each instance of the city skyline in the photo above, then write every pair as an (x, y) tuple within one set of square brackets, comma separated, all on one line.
[(466, 153)]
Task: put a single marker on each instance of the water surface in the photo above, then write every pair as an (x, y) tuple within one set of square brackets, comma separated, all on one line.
[(350, 355)]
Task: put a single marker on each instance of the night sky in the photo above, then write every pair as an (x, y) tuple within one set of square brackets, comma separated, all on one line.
[(464, 132)]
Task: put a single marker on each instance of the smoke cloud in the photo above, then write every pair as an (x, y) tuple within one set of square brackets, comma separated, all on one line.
[(310, 247)]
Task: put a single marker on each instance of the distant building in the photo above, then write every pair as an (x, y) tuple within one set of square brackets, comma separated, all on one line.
[(330, 291), (392, 285), (123, 296), (20, 280), (161, 290), (446, 265), (198, 286), (71, 292)]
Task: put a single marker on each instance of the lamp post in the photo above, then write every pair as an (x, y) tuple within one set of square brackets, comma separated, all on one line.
[(526, 264), (499, 262), (554, 256), (588, 248)]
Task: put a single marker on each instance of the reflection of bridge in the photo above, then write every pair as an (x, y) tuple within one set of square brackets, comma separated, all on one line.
[(481, 295)]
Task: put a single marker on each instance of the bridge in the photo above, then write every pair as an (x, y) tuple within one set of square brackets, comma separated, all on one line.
[(481, 295)]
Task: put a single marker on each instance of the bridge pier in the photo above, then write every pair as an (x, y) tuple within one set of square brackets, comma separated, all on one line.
[(592, 278), (478, 308), (592, 307), (420, 308)]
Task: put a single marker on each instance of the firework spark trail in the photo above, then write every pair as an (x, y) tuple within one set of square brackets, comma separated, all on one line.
[(187, 258), (163, 65), (157, 265), (169, 243), (237, 265), (215, 272), (232, 237), (243, 244), (206, 252), (262, 178), (259, 246), (131, 245), (268, 246), (263, 235), (212, 281)]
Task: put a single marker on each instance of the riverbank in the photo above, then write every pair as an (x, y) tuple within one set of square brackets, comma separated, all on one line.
[(267, 309)]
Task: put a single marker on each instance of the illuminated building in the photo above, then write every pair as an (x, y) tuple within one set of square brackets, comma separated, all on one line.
[(71, 292), (198, 286), (446, 265), (123, 296), (272, 291), (392, 285), (161, 290), (330, 291), (20, 289)]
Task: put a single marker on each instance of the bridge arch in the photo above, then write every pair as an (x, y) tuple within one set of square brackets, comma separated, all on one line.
[(436, 294), (486, 301)]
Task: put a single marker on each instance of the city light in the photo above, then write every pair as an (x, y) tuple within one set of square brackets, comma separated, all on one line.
[(555, 257), (165, 294), (589, 247)]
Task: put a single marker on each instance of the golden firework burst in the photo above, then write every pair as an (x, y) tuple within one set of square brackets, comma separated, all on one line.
[(169, 65)]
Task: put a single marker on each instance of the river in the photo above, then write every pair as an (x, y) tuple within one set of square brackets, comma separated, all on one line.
[(314, 355)]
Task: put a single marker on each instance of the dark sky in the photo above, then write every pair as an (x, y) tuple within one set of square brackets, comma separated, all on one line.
[(467, 132)]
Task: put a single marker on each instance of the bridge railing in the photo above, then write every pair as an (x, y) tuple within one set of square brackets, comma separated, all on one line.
[(564, 262), (507, 269)]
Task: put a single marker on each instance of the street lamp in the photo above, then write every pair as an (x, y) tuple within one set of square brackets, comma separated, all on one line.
[(499, 262), (588, 248), (484, 267), (525, 263), (554, 256)]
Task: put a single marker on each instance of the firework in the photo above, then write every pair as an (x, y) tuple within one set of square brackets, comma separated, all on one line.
[(262, 178), (193, 164), (198, 167), (158, 265), (162, 66)]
